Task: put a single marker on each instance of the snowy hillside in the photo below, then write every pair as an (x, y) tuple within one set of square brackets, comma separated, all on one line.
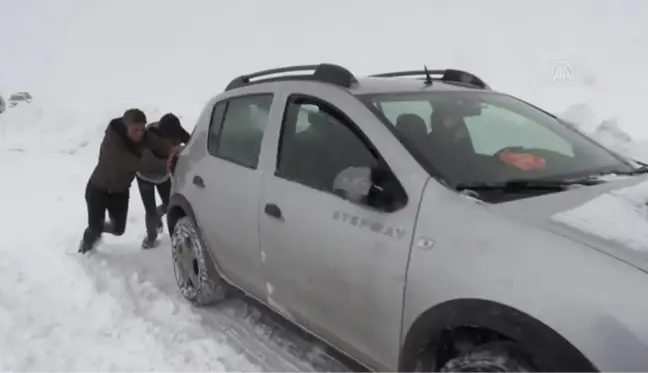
[(86, 61)]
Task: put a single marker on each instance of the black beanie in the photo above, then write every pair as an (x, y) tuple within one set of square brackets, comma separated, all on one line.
[(170, 125)]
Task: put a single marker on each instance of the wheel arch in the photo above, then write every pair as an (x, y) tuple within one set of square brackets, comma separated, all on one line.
[(179, 207), (426, 335)]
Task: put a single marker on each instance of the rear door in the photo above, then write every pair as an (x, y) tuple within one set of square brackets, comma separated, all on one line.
[(228, 181)]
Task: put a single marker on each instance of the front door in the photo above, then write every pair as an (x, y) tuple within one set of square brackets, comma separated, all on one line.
[(335, 266)]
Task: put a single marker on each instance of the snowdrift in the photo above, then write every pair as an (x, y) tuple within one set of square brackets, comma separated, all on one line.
[(608, 132), (46, 126), (619, 215)]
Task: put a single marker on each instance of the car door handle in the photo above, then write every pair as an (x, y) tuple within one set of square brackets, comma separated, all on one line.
[(273, 210), (198, 181)]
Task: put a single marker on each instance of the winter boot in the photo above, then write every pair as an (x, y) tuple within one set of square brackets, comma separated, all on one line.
[(89, 241), (150, 242), (84, 247)]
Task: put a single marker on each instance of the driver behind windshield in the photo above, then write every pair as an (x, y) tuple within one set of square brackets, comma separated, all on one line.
[(449, 141)]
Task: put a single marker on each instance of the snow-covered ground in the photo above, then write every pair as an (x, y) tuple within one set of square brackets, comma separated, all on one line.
[(118, 309), (85, 62)]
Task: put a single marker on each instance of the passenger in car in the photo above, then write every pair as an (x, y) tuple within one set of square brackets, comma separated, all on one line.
[(413, 128)]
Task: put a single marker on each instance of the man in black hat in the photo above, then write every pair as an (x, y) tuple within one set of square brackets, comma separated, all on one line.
[(169, 130)]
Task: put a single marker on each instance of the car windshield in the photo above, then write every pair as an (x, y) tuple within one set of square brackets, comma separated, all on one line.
[(17, 98), (488, 137)]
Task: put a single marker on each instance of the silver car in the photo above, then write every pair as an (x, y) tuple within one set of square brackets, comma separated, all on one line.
[(404, 219)]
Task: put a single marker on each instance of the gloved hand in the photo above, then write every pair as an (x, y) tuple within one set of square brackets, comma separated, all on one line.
[(172, 160), (177, 148)]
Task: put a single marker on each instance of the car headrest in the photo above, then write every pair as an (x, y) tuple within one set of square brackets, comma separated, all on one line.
[(411, 125)]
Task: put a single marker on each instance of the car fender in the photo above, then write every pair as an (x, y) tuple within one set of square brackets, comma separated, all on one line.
[(532, 335), (472, 252), (179, 206)]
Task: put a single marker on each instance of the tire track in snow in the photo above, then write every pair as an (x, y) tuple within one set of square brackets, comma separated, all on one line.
[(242, 332)]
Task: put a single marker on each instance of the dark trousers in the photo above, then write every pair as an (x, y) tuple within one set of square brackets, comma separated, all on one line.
[(153, 212), (98, 202)]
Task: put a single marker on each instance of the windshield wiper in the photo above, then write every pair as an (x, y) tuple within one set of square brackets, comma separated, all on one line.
[(643, 169), (637, 171), (526, 185), (515, 185)]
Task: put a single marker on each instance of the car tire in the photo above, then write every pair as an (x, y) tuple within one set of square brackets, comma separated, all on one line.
[(491, 357), (195, 272)]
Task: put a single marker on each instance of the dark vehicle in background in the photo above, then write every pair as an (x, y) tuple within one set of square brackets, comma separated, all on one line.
[(3, 105), (19, 97)]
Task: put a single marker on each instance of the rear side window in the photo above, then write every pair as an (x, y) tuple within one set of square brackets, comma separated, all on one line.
[(237, 128)]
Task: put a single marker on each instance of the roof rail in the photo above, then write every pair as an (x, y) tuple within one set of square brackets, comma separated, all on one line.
[(447, 75), (324, 72)]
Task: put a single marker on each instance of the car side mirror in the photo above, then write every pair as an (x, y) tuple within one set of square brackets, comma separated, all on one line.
[(376, 187)]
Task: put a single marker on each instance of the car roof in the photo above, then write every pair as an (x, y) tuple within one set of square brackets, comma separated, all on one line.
[(378, 85), (392, 82)]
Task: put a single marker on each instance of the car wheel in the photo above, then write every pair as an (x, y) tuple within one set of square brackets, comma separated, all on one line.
[(195, 273), (491, 357)]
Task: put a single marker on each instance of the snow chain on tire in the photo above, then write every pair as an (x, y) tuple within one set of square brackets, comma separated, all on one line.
[(491, 357), (210, 287)]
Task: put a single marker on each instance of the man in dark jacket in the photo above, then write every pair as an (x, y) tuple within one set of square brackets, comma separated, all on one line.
[(124, 151), (170, 130)]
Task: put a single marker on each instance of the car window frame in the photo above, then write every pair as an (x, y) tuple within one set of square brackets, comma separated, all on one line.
[(344, 120), (215, 152)]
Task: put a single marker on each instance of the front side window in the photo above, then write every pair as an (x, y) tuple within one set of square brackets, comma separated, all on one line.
[(322, 149), (316, 145), (487, 137)]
